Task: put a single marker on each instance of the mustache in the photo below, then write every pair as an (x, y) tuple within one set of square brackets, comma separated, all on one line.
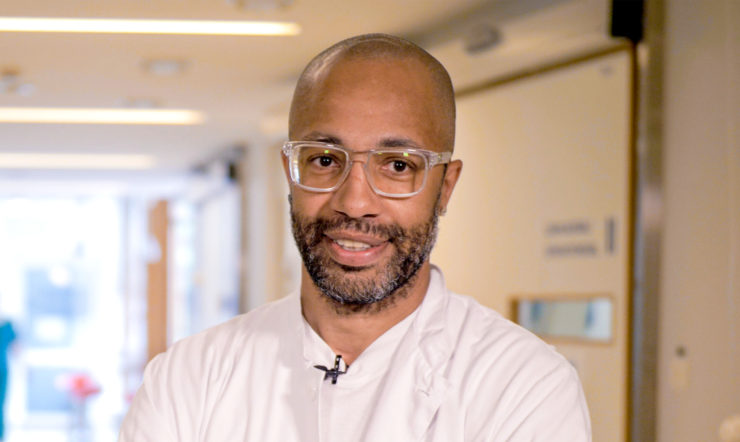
[(317, 229)]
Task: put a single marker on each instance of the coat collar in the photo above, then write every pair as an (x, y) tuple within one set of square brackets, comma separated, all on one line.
[(414, 387)]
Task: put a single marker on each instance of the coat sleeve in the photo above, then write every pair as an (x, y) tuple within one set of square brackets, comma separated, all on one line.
[(553, 409), (150, 418), (180, 389), (169, 404), (147, 419)]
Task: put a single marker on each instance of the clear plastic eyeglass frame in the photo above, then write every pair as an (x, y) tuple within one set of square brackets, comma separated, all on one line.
[(290, 150)]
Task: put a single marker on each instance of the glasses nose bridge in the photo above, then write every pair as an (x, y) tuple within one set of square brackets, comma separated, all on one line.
[(352, 159), (352, 155)]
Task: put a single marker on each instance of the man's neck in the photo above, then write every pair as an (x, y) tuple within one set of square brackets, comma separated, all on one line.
[(350, 333)]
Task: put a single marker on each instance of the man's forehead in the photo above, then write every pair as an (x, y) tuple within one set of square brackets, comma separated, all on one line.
[(376, 74), (386, 104)]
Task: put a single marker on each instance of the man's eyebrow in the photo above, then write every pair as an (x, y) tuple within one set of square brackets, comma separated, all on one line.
[(384, 142), (398, 142), (324, 138)]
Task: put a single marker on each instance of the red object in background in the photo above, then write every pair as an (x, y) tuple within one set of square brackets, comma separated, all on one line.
[(82, 386)]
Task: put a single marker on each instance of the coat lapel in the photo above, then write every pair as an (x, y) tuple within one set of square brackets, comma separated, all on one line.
[(414, 387)]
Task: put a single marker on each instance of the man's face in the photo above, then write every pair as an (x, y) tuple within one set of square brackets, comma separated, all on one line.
[(358, 247)]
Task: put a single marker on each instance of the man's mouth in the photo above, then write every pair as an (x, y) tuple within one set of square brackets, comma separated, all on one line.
[(355, 249), (351, 245)]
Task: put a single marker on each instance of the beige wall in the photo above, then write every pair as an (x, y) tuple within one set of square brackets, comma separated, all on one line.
[(272, 262), (544, 150), (700, 275)]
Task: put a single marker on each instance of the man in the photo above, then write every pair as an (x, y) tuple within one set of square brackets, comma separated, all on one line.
[(373, 347)]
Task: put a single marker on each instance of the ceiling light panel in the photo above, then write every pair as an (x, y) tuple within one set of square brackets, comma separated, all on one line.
[(75, 161), (100, 116), (129, 26)]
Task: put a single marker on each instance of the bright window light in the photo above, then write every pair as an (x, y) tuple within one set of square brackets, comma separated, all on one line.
[(129, 26), (99, 116), (75, 161)]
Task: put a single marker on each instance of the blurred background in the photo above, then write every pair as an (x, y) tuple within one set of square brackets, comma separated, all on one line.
[(142, 197)]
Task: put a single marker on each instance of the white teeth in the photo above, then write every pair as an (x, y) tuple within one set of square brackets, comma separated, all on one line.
[(354, 246)]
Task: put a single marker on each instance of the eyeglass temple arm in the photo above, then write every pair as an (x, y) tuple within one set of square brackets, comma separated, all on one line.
[(440, 158)]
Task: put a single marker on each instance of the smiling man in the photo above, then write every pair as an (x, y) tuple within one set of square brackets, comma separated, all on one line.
[(373, 347)]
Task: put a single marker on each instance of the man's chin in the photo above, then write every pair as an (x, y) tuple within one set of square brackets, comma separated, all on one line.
[(354, 275), (354, 284), (367, 290)]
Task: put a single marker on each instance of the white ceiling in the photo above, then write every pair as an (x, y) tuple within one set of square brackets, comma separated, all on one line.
[(243, 84)]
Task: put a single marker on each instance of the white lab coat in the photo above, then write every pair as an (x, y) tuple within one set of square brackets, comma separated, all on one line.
[(454, 371)]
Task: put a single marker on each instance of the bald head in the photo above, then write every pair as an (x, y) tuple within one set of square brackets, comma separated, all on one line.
[(380, 48)]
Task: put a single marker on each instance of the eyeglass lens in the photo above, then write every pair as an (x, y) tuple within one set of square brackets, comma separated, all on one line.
[(393, 172)]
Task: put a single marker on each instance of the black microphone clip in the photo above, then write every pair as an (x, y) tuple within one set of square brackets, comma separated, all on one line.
[(332, 373)]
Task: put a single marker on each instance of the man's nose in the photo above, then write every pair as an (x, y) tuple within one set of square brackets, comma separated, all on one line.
[(355, 198)]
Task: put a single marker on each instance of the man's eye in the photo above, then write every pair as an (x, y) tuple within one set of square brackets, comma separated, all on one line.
[(400, 166), (324, 161)]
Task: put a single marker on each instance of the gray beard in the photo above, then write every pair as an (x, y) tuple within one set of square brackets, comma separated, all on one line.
[(344, 286)]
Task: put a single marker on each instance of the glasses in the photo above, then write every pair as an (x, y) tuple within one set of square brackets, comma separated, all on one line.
[(391, 172)]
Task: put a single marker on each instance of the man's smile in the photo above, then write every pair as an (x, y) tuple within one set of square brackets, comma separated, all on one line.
[(355, 249), (353, 246)]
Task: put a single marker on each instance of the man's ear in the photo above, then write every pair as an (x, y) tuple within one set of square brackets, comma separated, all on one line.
[(448, 183)]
